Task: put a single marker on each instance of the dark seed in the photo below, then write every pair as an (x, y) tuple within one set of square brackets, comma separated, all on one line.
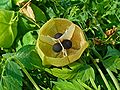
[(57, 35), (67, 44), (57, 47)]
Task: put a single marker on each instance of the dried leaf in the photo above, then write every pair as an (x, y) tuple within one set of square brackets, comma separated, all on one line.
[(27, 10), (97, 41), (111, 31), (30, 12)]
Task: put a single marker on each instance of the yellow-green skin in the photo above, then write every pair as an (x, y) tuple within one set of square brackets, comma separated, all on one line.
[(48, 56)]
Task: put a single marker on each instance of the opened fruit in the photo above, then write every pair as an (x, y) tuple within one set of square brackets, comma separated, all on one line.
[(60, 42)]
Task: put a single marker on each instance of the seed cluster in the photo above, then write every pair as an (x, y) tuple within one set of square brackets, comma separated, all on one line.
[(67, 44), (58, 35), (57, 47)]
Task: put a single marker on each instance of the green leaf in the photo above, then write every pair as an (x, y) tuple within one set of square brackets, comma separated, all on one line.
[(112, 9), (51, 13), (118, 77), (112, 63), (8, 28), (7, 55), (76, 70), (85, 72), (1, 87), (65, 85), (84, 16), (11, 76), (13, 70), (39, 14), (93, 83), (83, 84), (63, 73), (112, 52), (9, 83), (73, 11), (24, 26), (29, 57), (5, 4), (27, 39), (112, 86)]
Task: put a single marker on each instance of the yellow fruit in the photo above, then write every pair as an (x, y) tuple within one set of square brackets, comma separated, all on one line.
[(46, 41)]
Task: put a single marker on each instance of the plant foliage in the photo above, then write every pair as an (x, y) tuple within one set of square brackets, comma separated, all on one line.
[(20, 65)]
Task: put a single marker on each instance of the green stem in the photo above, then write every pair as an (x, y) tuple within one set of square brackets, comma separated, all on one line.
[(101, 73), (15, 18), (108, 38), (2, 74), (93, 83), (113, 79), (102, 33), (31, 21), (98, 25), (27, 74), (84, 85), (29, 87), (96, 53), (109, 72), (117, 17), (3, 70)]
